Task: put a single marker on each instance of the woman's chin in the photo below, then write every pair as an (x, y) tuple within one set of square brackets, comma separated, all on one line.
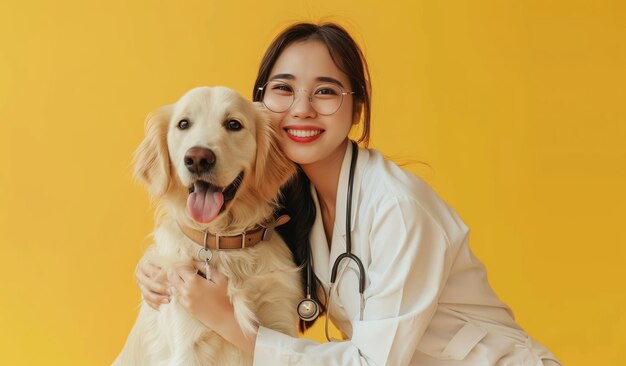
[(302, 158)]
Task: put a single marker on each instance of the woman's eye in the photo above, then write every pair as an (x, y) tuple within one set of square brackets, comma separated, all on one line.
[(282, 88), (326, 91), (183, 124), (233, 125)]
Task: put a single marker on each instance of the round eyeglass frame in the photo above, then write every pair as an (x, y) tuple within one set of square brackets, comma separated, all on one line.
[(309, 97)]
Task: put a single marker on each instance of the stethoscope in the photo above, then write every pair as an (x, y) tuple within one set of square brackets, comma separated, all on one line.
[(308, 308)]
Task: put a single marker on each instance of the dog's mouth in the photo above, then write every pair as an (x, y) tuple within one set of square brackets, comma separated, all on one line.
[(206, 200)]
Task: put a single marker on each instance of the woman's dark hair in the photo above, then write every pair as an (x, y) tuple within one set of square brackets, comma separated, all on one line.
[(296, 200)]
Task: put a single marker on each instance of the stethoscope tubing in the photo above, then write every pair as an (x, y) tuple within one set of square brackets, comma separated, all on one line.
[(346, 255)]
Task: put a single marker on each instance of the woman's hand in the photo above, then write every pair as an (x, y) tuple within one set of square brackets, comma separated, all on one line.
[(204, 299), (152, 283), (207, 300)]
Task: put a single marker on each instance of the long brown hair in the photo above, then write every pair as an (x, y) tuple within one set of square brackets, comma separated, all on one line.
[(295, 199), (346, 55)]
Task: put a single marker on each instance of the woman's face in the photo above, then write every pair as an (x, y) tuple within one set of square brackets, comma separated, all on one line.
[(306, 136)]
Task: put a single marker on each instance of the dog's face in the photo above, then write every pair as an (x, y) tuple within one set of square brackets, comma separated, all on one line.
[(212, 145), (209, 151)]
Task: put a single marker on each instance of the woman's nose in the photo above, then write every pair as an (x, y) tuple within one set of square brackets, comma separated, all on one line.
[(302, 107)]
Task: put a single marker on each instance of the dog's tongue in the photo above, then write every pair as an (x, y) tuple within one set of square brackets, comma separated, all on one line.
[(204, 204)]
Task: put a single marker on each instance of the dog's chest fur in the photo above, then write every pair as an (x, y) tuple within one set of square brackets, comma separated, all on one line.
[(263, 286)]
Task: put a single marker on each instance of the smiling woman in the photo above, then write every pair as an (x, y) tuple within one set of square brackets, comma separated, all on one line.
[(410, 274)]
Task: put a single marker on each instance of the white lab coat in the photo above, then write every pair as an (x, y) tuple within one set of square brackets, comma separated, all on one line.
[(427, 299)]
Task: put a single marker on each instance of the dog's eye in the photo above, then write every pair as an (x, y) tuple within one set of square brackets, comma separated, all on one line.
[(233, 125), (183, 124)]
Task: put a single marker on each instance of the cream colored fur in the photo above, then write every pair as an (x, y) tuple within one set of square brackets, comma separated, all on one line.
[(264, 284)]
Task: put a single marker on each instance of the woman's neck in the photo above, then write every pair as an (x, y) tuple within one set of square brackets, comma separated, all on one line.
[(324, 175)]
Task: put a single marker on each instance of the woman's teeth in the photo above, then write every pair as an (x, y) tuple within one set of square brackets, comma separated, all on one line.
[(304, 133)]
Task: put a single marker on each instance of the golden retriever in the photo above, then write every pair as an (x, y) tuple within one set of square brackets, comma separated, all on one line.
[(212, 162)]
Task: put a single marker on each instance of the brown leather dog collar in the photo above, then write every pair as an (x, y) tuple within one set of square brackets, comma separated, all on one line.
[(244, 240)]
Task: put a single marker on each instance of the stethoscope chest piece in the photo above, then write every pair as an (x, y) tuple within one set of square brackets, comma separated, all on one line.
[(308, 309)]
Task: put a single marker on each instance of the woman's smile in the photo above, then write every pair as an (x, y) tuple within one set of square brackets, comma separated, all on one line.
[(303, 134)]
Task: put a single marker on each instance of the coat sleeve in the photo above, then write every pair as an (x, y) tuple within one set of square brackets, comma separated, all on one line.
[(410, 262)]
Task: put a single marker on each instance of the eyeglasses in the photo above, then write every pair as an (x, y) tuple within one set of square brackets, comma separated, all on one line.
[(279, 96)]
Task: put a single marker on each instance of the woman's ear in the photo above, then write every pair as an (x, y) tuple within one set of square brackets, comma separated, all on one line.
[(272, 168), (151, 159)]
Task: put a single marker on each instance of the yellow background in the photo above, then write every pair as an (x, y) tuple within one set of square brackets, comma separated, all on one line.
[(518, 107)]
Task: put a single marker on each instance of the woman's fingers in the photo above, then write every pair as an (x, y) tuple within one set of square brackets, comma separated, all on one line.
[(181, 280), (147, 268), (154, 300), (152, 284), (199, 296), (156, 284), (187, 282)]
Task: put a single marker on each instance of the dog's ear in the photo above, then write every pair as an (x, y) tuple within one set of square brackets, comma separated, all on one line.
[(272, 168), (151, 159)]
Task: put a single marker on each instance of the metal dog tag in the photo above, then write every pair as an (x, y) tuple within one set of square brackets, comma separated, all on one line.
[(207, 271), (267, 234), (205, 255)]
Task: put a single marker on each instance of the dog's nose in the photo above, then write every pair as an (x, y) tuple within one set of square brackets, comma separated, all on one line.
[(199, 160)]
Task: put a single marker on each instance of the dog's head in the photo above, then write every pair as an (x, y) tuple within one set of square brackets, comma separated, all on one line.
[(213, 159)]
